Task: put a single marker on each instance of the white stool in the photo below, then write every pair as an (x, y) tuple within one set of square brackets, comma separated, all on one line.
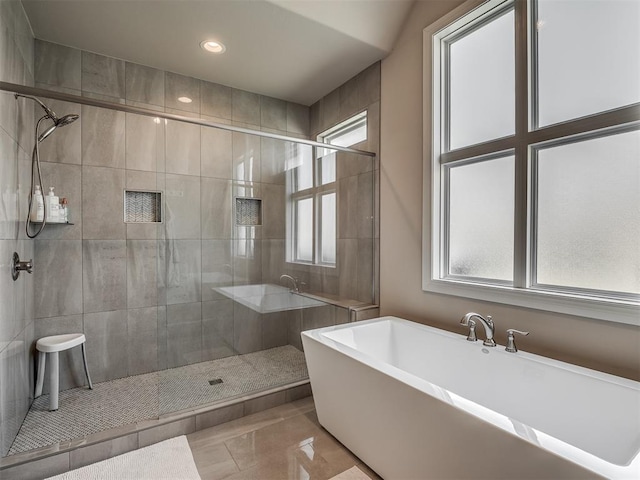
[(52, 345)]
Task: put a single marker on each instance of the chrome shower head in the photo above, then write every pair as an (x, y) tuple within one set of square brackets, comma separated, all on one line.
[(67, 119), (47, 132), (61, 122)]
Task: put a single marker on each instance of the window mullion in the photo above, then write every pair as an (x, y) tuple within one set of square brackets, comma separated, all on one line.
[(520, 230)]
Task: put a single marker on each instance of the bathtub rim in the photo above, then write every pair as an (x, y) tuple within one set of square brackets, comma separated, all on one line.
[(539, 438)]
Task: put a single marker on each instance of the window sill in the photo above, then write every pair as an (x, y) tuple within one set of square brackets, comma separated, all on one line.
[(601, 309)]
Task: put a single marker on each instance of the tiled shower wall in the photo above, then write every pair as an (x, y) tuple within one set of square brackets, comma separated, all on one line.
[(16, 298)]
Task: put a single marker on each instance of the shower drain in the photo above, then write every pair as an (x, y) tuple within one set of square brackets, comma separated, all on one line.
[(215, 381)]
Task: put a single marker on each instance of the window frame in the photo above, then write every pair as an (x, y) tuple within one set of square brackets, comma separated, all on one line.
[(527, 138), (317, 191)]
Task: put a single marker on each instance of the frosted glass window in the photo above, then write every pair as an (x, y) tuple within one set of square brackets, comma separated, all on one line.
[(304, 173), (481, 209), (304, 230), (482, 83), (589, 214), (347, 133), (588, 57), (328, 229), (327, 167)]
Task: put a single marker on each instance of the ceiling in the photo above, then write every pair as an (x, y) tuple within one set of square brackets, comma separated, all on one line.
[(295, 50)]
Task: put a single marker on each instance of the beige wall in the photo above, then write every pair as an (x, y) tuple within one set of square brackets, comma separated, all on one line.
[(609, 347)]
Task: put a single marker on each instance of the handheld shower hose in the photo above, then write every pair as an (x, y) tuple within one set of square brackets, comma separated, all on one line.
[(35, 156)]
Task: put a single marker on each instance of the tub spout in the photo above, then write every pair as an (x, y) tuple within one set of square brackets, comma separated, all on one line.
[(294, 281), (487, 323)]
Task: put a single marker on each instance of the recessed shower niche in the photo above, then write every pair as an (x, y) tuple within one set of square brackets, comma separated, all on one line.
[(142, 206), (248, 211)]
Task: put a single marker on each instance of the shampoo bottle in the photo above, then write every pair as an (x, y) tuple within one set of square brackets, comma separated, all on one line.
[(53, 206), (64, 210), (37, 206)]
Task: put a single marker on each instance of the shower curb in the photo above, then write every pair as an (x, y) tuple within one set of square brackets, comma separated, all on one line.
[(69, 455)]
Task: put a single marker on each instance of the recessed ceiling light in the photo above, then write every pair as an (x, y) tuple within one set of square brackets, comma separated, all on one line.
[(184, 99), (213, 46)]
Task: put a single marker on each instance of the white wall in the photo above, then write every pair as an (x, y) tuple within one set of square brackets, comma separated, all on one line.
[(610, 347)]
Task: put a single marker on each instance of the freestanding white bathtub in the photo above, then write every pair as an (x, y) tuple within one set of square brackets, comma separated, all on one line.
[(416, 402)]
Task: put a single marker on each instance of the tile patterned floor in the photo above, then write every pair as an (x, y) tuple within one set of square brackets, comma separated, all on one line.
[(284, 442), (127, 400)]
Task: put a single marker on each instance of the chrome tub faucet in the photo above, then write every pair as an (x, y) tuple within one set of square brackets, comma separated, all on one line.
[(487, 323), (294, 281)]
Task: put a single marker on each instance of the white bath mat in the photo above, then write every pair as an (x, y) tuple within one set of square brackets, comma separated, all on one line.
[(354, 473), (168, 460)]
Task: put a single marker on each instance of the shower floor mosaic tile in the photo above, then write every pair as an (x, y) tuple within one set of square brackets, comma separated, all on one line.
[(128, 400)]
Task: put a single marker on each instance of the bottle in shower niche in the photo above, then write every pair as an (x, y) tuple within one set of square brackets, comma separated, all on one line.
[(53, 206), (63, 213), (37, 206)]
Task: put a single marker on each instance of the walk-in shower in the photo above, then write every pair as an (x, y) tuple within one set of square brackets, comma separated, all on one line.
[(188, 311)]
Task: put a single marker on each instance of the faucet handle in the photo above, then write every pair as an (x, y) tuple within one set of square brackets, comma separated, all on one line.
[(511, 341)]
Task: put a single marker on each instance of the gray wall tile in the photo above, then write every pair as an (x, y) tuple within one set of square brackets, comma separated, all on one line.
[(38, 469), (164, 432), (219, 416), (348, 94), (263, 403), (103, 137), (273, 160), (177, 86), (183, 263), (102, 451), (107, 351), (318, 317), (103, 203), (297, 119), (57, 65), (58, 277), (104, 275), (144, 144), (162, 338), (273, 113), (142, 334), (215, 100), (182, 207), (247, 329), (275, 332), (142, 273), (369, 85), (245, 107), (247, 261), (217, 270), (273, 261), (182, 153), (103, 75), (144, 84), (217, 329), (246, 157), (216, 153), (184, 334), (273, 208), (216, 208)]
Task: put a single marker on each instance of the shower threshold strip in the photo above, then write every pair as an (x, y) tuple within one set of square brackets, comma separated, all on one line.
[(180, 398), (67, 97)]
